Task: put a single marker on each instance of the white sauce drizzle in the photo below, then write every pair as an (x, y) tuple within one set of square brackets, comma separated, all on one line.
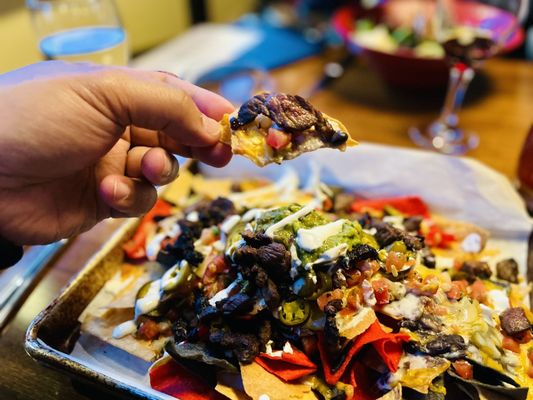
[(302, 212), (311, 239), (153, 247), (124, 329), (192, 216), (295, 261), (229, 223), (287, 348), (150, 301), (330, 254), (223, 294), (252, 214)]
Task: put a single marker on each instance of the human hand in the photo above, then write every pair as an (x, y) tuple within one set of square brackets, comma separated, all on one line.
[(80, 143)]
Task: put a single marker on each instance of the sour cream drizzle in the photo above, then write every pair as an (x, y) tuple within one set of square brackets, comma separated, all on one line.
[(124, 329), (150, 301), (230, 223), (311, 239), (302, 212)]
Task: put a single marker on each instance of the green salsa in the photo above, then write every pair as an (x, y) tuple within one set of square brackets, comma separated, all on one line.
[(351, 232)]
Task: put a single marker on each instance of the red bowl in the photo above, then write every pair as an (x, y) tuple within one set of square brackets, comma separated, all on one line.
[(407, 70)]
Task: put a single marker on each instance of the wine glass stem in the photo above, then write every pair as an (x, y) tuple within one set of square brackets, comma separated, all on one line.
[(460, 77)]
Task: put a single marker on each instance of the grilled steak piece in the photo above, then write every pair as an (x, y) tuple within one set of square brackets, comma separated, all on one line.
[(514, 321), (476, 269), (507, 270)]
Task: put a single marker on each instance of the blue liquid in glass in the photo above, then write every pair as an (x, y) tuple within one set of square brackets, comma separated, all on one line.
[(81, 41)]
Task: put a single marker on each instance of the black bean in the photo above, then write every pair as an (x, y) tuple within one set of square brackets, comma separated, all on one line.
[(339, 138)]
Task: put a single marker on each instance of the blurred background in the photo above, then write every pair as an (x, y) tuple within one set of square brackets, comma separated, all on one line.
[(150, 23), (395, 72)]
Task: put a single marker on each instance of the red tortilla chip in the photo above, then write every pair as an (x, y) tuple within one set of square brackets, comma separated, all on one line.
[(288, 367), (171, 378), (388, 345), (408, 205), (135, 248)]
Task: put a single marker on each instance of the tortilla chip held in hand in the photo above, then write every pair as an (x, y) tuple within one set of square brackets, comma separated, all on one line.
[(272, 127)]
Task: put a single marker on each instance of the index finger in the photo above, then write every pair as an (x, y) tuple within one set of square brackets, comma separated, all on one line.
[(131, 98)]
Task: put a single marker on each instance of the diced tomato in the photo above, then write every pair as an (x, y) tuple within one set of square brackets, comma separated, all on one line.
[(458, 290), (464, 369), (370, 266), (408, 205), (436, 237), (395, 260), (428, 287), (478, 291), (135, 248), (215, 267), (353, 277), (327, 204), (524, 337), (510, 344), (354, 300), (324, 299), (381, 291), (148, 330), (277, 139)]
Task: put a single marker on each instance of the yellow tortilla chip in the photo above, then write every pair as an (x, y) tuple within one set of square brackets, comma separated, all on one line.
[(250, 142), (211, 188), (257, 382)]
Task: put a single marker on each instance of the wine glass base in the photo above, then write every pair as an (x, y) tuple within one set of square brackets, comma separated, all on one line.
[(444, 139)]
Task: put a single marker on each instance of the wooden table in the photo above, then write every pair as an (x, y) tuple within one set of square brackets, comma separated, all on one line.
[(499, 107)]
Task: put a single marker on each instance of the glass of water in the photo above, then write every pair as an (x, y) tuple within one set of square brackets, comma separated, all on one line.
[(79, 30)]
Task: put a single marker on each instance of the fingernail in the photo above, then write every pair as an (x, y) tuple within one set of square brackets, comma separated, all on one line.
[(211, 126), (171, 169), (121, 190)]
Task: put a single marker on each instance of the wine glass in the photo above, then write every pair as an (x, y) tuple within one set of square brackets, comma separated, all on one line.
[(470, 32), (79, 30)]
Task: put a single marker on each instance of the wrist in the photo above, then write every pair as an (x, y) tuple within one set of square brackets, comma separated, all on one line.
[(10, 253)]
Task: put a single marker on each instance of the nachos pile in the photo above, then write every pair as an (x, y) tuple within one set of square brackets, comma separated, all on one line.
[(260, 290)]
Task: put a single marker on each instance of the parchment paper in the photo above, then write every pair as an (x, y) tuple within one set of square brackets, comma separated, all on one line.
[(458, 188)]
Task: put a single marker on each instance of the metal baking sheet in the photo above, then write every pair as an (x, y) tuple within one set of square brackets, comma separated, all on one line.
[(52, 335)]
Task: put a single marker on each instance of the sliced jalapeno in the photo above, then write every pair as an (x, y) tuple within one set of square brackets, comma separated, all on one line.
[(324, 284), (304, 286), (176, 276), (294, 312), (398, 246)]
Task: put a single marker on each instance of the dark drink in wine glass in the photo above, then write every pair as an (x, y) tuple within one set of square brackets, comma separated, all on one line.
[(470, 32)]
